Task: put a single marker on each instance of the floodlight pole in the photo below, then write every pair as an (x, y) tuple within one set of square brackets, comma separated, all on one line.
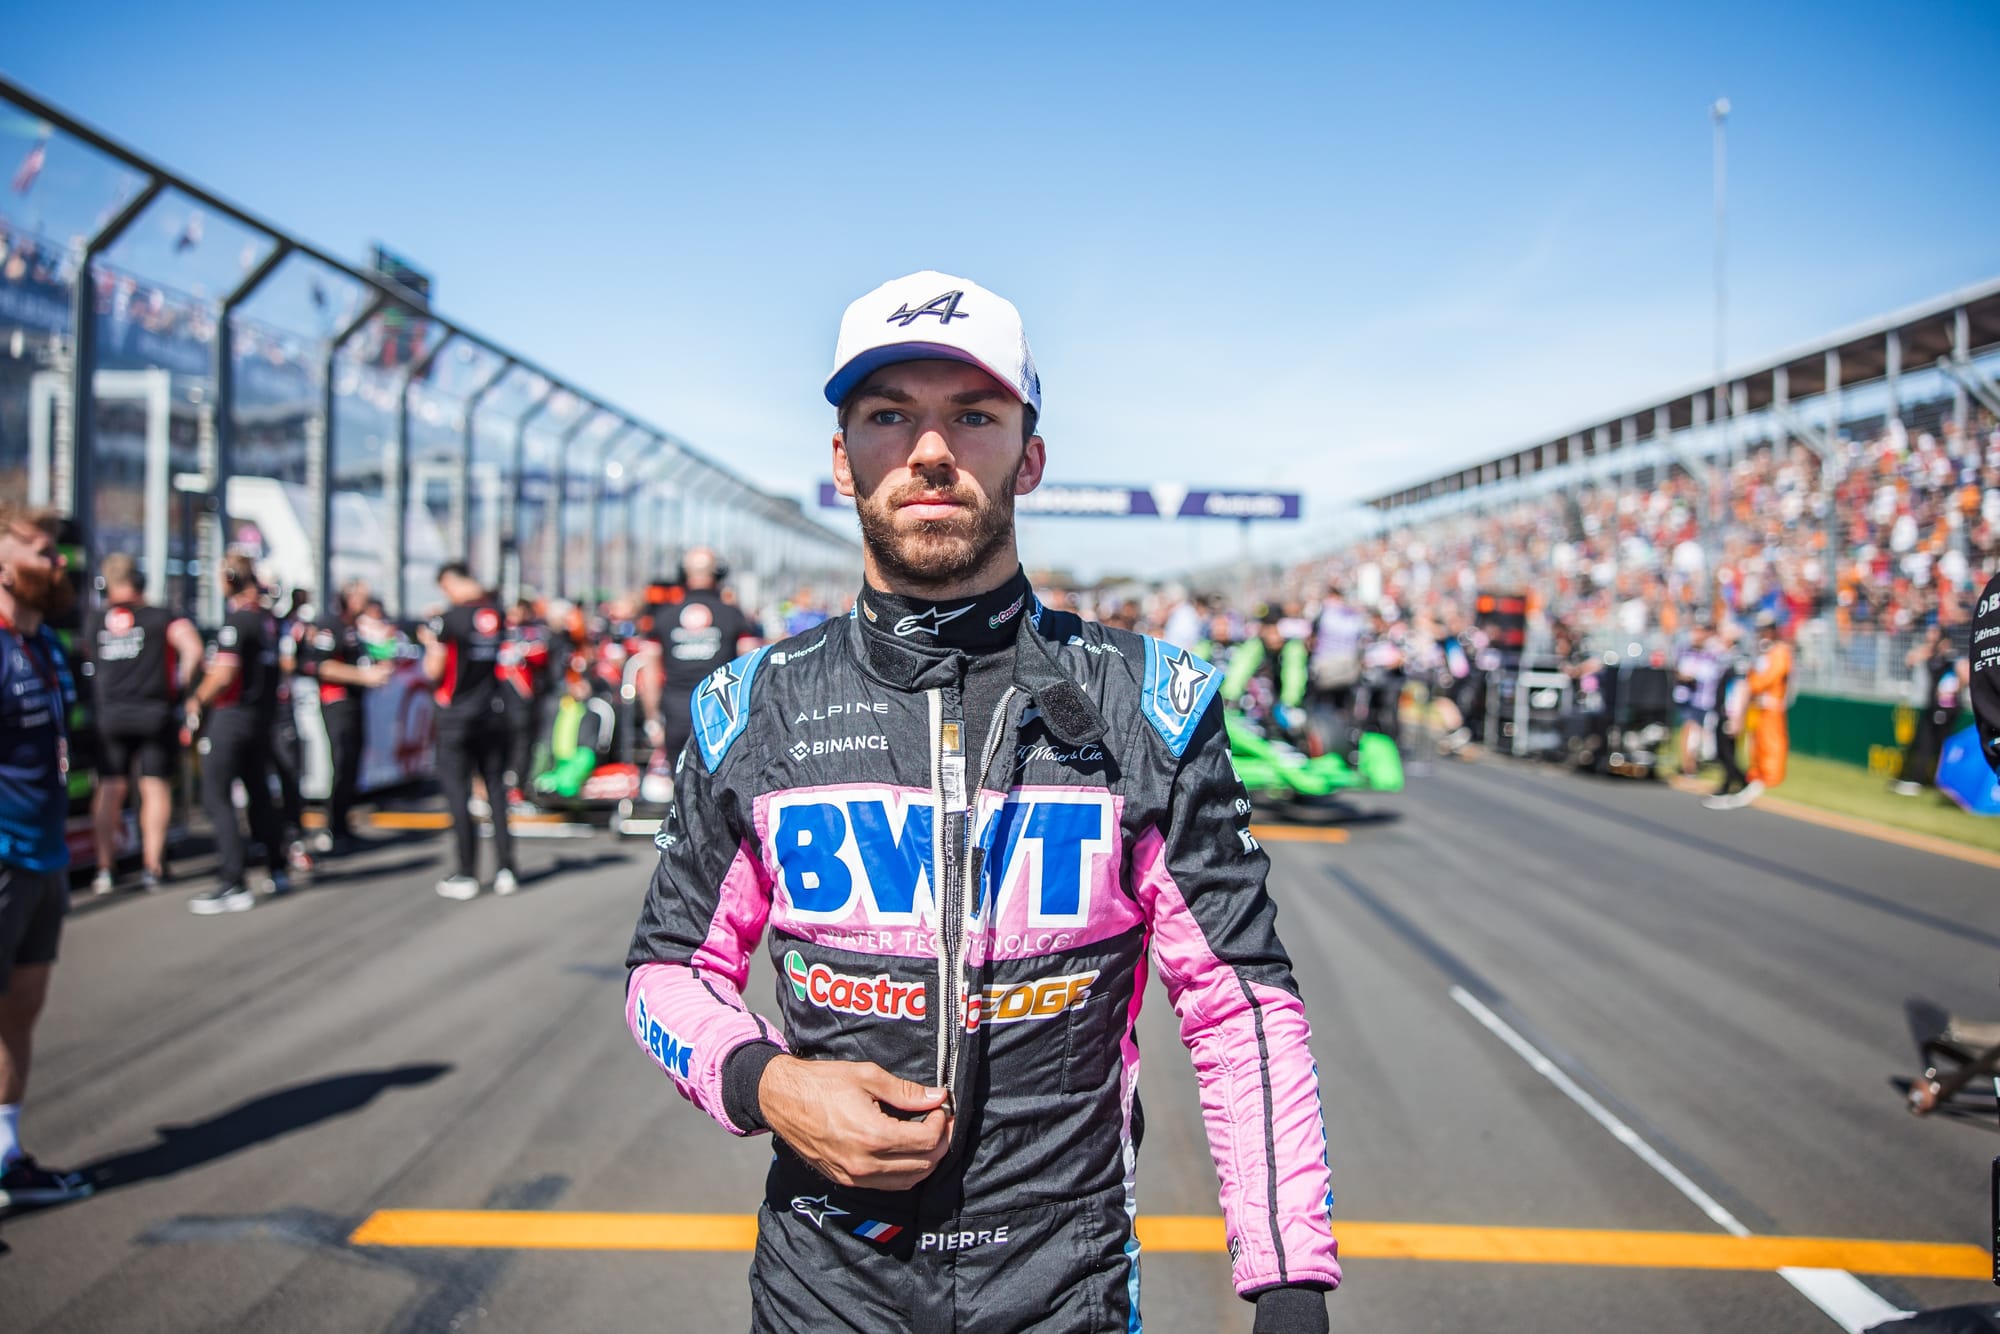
[(1718, 112), (319, 451)]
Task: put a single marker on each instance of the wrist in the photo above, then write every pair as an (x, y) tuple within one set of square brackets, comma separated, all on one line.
[(1291, 1309), (743, 1080)]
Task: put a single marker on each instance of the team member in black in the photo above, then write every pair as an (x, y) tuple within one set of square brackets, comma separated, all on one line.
[(696, 635), (462, 655), (141, 658), (287, 747), (334, 656), (232, 711), (527, 672)]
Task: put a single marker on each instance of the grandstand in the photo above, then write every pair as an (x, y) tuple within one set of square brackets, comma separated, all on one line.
[(319, 413), (1851, 486)]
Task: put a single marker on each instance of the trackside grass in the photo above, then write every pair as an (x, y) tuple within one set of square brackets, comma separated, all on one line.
[(1844, 789)]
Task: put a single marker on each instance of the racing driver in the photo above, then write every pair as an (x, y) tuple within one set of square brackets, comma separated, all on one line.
[(968, 825)]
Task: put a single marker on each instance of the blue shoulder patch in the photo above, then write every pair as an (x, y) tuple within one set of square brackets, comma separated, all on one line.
[(721, 706), (1175, 690)]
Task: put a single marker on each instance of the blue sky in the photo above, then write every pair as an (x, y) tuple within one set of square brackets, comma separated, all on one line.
[(1329, 247)]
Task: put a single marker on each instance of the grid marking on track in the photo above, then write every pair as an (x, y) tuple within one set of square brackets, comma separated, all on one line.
[(1190, 1234)]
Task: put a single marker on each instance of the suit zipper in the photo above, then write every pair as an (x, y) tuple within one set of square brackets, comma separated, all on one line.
[(969, 864), (947, 992)]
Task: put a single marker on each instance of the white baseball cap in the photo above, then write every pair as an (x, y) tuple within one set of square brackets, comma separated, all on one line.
[(932, 316)]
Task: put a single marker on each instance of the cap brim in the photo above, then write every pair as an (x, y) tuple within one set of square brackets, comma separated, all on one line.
[(849, 377)]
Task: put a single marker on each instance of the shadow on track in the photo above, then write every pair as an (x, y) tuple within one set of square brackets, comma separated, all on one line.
[(373, 871), (565, 865), (258, 1121), (1327, 812)]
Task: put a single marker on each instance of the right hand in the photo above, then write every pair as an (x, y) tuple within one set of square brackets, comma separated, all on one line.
[(834, 1114)]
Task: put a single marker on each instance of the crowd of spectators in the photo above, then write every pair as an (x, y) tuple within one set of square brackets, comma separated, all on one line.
[(1913, 533)]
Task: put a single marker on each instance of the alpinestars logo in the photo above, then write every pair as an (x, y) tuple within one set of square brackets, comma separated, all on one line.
[(944, 307), (1186, 682), (929, 621), (816, 1209)]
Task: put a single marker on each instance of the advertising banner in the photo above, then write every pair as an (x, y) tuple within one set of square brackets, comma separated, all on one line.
[(1161, 500)]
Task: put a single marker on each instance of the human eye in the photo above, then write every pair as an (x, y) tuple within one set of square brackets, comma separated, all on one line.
[(977, 418), (885, 417)]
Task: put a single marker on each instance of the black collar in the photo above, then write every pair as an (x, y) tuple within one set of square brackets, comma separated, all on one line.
[(980, 624), (1007, 617)]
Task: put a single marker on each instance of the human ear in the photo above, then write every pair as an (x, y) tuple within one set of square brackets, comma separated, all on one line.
[(843, 472), (1034, 458)]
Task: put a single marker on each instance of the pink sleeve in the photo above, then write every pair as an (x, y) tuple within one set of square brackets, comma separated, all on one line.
[(688, 1014), (1246, 1029)]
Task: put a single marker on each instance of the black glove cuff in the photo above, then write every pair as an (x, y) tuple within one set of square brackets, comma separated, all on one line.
[(742, 1070), (1291, 1310)]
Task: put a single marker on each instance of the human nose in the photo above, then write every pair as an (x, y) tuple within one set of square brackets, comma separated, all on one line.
[(931, 450)]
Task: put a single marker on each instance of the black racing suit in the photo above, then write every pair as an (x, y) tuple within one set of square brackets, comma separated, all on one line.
[(1068, 786)]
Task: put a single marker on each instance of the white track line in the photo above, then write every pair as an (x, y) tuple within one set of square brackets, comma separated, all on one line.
[(1845, 1299)]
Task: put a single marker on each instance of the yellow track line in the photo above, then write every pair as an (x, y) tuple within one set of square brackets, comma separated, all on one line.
[(476, 1229), (410, 820), (1298, 833), (441, 820)]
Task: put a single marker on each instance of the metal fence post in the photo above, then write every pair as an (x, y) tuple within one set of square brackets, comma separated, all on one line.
[(319, 452), (213, 532), (510, 542), (594, 560), (559, 479), (461, 512), (396, 476), (73, 477)]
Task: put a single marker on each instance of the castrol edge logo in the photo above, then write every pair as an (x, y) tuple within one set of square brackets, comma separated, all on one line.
[(1044, 998), (881, 996)]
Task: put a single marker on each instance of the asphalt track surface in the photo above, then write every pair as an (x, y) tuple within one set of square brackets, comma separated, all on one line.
[(253, 1089)]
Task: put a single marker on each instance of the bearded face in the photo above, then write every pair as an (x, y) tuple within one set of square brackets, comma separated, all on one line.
[(933, 453), (936, 551), (47, 590), (33, 573)]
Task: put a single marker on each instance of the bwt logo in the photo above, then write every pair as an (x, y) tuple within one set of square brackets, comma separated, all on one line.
[(870, 848), (667, 1049)]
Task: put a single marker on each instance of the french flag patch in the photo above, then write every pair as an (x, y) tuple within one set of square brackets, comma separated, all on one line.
[(878, 1232)]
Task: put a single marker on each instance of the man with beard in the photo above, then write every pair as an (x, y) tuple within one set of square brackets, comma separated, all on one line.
[(36, 692), (971, 823), (695, 636)]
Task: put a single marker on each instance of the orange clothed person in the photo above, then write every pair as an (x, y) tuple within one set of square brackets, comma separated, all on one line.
[(1769, 685)]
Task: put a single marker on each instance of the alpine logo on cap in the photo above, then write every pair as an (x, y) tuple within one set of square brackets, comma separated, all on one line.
[(944, 307)]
